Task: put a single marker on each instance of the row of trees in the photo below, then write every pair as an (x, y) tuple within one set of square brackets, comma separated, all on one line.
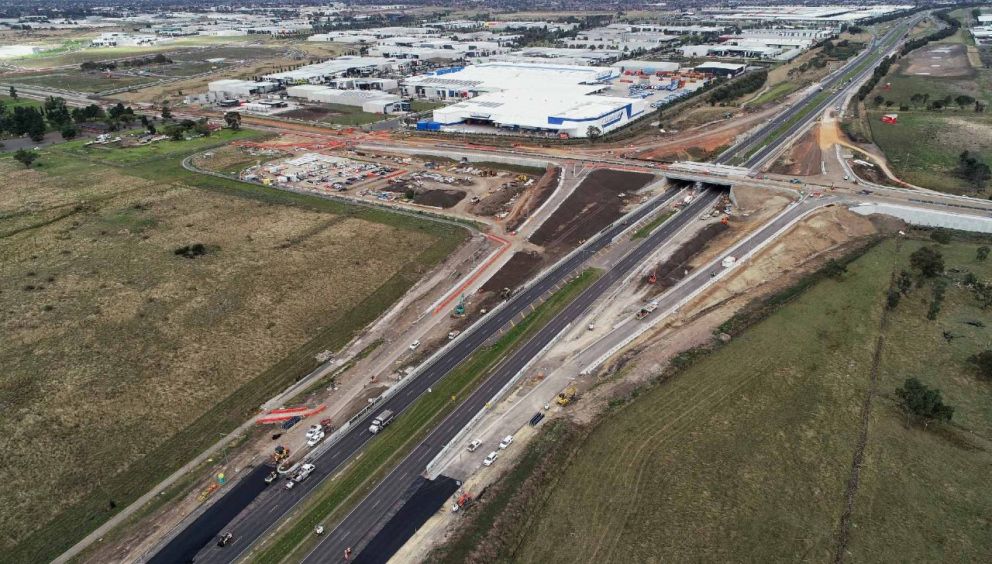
[(917, 100), (972, 170), (952, 27), (744, 85), (880, 71), (158, 59)]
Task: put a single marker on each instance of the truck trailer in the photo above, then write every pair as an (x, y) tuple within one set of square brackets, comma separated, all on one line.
[(380, 422)]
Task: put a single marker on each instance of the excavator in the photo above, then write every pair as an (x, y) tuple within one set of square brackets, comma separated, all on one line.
[(566, 396)]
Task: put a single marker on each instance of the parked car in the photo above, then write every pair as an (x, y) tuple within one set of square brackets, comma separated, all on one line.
[(536, 419), (414, 345), (314, 430), (316, 439), (507, 441), (491, 458), (474, 445), (292, 421)]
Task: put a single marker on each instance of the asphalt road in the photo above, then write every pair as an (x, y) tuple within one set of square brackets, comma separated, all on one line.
[(872, 51), (355, 529), (274, 503)]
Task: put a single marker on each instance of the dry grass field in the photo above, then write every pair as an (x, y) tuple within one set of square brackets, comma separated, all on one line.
[(747, 454), (123, 359)]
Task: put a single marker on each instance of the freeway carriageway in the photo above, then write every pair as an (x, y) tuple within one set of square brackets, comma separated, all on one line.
[(255, 517), (355, 528), (875, 51)]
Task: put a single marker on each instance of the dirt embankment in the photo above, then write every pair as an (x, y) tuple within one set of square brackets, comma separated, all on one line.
[(804, 158), (594, 204), (677, 266), (533, 198), (515, 272)]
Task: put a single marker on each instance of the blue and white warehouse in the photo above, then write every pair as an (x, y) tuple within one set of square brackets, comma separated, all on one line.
[(530, 97)]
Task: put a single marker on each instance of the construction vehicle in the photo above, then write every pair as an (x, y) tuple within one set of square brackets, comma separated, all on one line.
[(566, 396), (281, 453), (459, 308), (462, 502), (646, 310), (381, 420)]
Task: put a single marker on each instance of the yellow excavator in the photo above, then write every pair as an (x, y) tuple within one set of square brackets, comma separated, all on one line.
[(566, 396)]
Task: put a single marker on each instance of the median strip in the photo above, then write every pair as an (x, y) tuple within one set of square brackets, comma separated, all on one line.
[(332, 499)]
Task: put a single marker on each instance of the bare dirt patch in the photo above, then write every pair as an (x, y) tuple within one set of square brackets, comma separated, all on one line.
[(439, 198), (593, 205), (939, 60), (533, 198), (803, 159), (311, 113), (515, 272), (677, 266)]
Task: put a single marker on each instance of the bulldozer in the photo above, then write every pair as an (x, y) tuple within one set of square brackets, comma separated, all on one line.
[(566, 396)]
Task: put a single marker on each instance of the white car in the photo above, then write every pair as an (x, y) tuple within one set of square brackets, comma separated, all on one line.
[(314, 430), (474, 445), (507, 441), (414, 345), (315, 439), (490, 459)]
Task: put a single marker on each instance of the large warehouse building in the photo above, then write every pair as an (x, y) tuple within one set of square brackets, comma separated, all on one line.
[(554, 99)]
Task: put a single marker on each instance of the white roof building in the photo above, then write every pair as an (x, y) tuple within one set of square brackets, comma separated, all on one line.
[(370, 101), (233, 88), (322, 72), (558, 99)]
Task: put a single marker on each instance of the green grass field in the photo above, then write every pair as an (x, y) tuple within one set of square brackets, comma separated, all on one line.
[(80, 81), (99, 227), (746, 454), (923, 147), (775, 93)]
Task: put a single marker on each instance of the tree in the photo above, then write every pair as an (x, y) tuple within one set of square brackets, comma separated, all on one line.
[(928, 261), (922, 403), (904, 282), (25, 157), (878, 99), (233, 120), (13, 92), (964, 100), (973, 170), (834, 269), (69, 132), (983, 364), (916, 99), (982, 253), (166, 112), (892, 299), (175, 132), (593, 132), (940, 235)]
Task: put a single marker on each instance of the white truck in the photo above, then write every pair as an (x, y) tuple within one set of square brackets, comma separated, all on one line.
[(646, 310), (381, 420)]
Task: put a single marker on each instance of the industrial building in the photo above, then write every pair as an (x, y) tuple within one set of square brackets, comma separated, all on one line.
[(335, 68), (370, 101), (234, 89), (553, 99), (621, 37), (647, 67), (560, 56), (435, 49), (721, 69)]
